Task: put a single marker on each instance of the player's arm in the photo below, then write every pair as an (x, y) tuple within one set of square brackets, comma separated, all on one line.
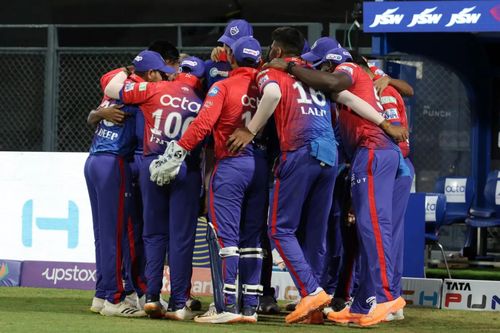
[(208, 116), (365, 110), (113, 114), (114, 86), (271, 95), (401, 85), (324, 81)]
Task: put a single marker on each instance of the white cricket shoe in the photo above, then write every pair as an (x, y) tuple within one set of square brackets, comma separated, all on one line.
[(121, 309), (97, 305), (131, 299), (219, 318), (182, 314), (398, 315)]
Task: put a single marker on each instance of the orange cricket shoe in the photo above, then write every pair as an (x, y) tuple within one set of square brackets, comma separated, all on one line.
[(314, 318), (308, 304), (381, 312), (344, 316)]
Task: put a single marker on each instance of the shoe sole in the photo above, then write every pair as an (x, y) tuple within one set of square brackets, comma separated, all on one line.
[(232, 321), (248, 320), (96, 310), (153, 312), (305, 315)]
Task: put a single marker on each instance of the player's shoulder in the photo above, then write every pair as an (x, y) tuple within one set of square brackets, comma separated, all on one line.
[(269, 75), (348, 67), (391, 94), (217, 88)]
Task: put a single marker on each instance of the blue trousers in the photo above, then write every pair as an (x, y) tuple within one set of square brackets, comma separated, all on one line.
[(301, 199), (170, 217), (109, 184)]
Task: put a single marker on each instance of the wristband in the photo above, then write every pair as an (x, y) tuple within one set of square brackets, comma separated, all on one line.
[(289, 66), (254, 134)]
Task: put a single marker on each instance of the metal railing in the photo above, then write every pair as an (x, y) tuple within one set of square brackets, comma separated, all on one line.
[(69, 76)]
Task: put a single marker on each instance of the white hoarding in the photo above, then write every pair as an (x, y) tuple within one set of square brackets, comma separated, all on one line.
[(45, 207), (422, 292), (474, 295)]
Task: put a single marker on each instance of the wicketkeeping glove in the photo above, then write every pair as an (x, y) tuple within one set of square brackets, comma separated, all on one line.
[(165, 168)]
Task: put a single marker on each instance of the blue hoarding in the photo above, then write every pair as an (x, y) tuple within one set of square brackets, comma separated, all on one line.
[(431, 16)]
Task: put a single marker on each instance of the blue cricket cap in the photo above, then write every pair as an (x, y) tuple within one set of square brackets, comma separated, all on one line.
[(319, 49), (338, 56), (193, 65), (235, 30), (151, 60), (247, 47)]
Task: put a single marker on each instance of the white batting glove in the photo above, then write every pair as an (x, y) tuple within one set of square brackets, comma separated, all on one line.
[(165, 168)]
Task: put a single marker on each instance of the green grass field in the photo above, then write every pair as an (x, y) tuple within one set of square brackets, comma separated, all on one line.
[(55, 310)]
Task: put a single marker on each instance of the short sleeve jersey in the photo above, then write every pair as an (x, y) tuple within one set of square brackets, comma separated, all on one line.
[(168, 107), (302, 114), (355, 130), (229, 104), (395, 113)]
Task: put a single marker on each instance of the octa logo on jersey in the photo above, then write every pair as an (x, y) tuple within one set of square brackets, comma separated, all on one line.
[(177, 102)]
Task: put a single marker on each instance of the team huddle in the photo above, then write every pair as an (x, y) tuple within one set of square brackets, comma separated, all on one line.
[(296, 152)]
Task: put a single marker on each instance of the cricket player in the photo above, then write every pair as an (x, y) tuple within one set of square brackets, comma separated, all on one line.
[(395, 113), (238, 187), (108, 178), (376, 163), (305, 176), (170, 212)]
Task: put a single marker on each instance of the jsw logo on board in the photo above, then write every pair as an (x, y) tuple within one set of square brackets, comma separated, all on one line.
[(387, 17), (425, 17)]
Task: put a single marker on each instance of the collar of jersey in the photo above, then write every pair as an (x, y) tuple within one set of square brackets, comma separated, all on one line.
[(189, 79), (135, 78), (296, 60), (244, 71)]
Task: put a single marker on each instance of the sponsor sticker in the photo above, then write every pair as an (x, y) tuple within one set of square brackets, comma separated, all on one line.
[(143, 86), (213, 92)]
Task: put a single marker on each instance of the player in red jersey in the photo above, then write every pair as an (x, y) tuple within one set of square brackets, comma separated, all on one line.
[(238, 188), (168, 108), (376, 162), (395, 113)]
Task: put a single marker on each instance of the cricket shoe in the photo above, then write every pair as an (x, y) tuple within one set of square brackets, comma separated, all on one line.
[(153, 307), (225, 317), (344, 316), (398, 315), (193, 304), (135, 301), (97, 305), (381, 311), (292, 305), (121, 309), (309, 304), (314, 318), (268, 305), (249, 315), (182, 314)]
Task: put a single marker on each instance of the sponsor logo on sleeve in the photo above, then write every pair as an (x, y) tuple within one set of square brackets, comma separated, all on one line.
[(143, 86), (346, 69), (213, 92), (388, 100), (129, 86), (263, 79), (391, 113)]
